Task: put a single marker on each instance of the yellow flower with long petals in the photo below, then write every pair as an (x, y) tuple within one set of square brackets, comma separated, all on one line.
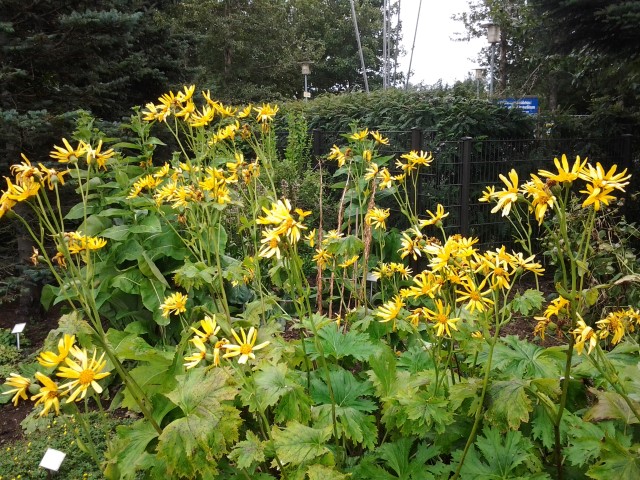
[(68, 153), (245, 347), (390, 310), (415, 158), (612, 325), (322, 257), (21, 386), (434, 217), (22, 191), (583, 334), (210, 328), (442, 319), (376, 217), (540, 195), (377, 136), (49, 395), (565, 174), (175, 303), (52, 359), (83, 374), (509, 196), (359, 136), (350, 261), (97, 155), (195, 358), (266, 113), (473, 294)]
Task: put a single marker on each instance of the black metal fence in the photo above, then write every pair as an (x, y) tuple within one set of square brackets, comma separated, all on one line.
[(462, 170)]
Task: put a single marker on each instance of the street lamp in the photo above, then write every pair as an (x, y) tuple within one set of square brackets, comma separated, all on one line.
[(306, 70), (493, 37), (479, 76)]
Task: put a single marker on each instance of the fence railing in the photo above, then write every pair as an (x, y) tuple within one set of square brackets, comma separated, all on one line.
[(462, 169)]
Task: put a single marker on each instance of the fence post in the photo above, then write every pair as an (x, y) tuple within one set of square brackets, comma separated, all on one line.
[(416, 139), (465, 185), (316, 135)]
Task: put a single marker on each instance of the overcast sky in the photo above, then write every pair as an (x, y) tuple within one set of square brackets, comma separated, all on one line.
[(436, 56)]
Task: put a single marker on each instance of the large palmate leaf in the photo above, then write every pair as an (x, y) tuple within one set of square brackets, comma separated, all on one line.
[(298, 444), (509, 404), (611, 406), (130, 346), (618, 461), (126, 450), (320, 472), (501, 456), (248, 452), (191, 444), (523, 359), (338, 344), (351, 407)]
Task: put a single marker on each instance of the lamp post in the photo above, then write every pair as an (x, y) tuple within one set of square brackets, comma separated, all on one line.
[(493, 37), (306, 70), (479, 76)]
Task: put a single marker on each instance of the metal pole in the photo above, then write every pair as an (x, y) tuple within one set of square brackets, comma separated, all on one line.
[(465, 186), (355, 26), (415, 34), (493, 55), (384, 45), (306, 89)]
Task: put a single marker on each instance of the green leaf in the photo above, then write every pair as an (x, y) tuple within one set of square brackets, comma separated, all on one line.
[(509, 405), (617, 462), (297, 444), (150, 269), (584, 440), (129, 281), (383, 371), (530, 301), (523, 359), (337, 344), (320, 472), (117, 232), (130, 346), (191, 445), (248, 452), (427, 412), (126, 450)]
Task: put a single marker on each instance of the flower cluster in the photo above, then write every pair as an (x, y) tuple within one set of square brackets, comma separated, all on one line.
[(611, 328), (541, 196), (281, 225), (81, 370), (209, 345)]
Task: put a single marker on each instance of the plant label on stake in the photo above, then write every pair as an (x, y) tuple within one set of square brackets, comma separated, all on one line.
[(17, 330), (52, 459)]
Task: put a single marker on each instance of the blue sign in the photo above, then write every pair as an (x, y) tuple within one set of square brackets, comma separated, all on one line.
[(527, 104)]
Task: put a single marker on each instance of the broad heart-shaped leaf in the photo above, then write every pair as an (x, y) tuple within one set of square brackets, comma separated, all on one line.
[(298, 444), (509, 403), (617, 462), (130, 346), (191, 444), (523, 359), (337, 344), (350, 408), (248, 452), (155, 376), (320, 472), (611, 406), (501, 456), (127, 449), (129, 281), (427, 412)]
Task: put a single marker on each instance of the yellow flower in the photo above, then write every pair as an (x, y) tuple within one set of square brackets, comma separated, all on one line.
[(245, 347), (156, 112), (245, 112), (379, 138), (475, 296), (51, 359), (386, 180), (541, 327), (602, 184), (540, 195), (48, 395), (210, 328), (415, 159), (612, 324), (509, 196), (25, 189), (488, 195), (322, 257), (435, 217), (270, 244), (371, 172), (336, 154), (99, 157), (280, 216), (376, 217), (349, 262), (425, 285), (53, 176), (175, 303), (358, 136), (266, 113), (556, 307), (400, 268), (311, 238), (20, 384), (68, 153), (390, 310), (216, 351), (83, 374), (25, 170), (442, 318), (584, 334), (195, 358), (411, 246), (564, 173), (597, 196)]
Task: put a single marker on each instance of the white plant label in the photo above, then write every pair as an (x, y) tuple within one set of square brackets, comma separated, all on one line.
[(52, 459)]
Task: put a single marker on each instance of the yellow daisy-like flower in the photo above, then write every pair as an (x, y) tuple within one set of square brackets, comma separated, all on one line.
[(509, 196), (20, 384), (266, 113), (376, 217), (95, 154), (83, 374), (385, 178), (359, 136), (473, 294), (540, 195), (349, 262), (558, 307), (245, 347), (612, 325), (322, 257), (51, 359), (217, 349), (210, 328), (52, 176), (175, 303), (415, 158), (390, 310), (68, 153), (377, 136), (488, 195), (565, 174), (583, 334), (49, 395), (434, 217), (311, 238), (195, 358), (25, 189), (442, 318), (156, 112), (270, 244), (371, 172)]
